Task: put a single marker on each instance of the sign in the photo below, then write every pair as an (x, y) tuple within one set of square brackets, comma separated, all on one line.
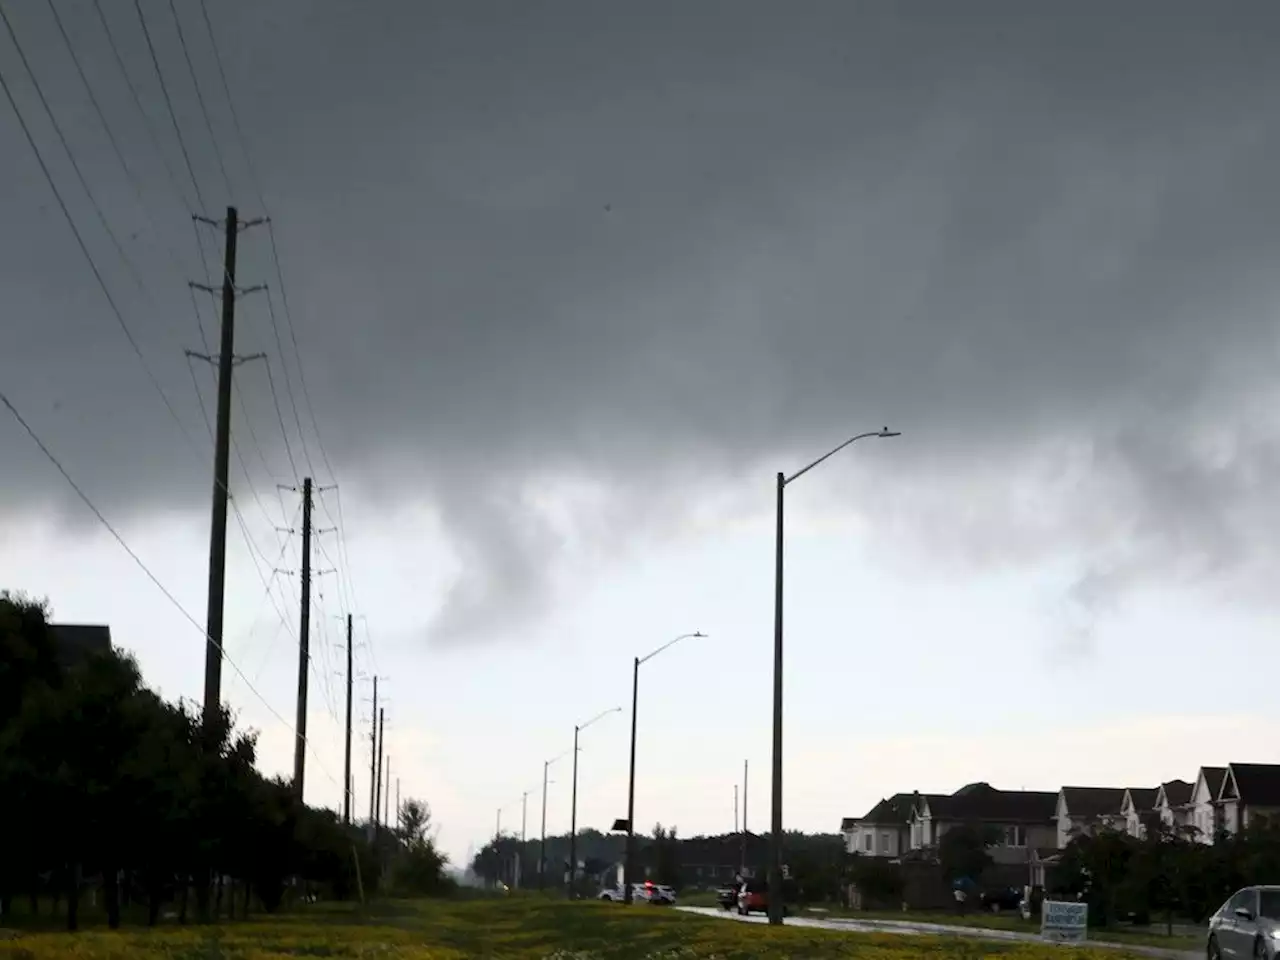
[(1064, 921)]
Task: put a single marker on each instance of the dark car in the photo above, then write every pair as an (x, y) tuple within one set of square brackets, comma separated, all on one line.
[(1002, 898), (727, 897)]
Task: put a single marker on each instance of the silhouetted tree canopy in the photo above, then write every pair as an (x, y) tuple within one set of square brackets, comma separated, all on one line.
[(104, 783)]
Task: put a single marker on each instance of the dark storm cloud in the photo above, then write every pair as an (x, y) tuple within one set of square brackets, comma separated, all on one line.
[(664, 241)]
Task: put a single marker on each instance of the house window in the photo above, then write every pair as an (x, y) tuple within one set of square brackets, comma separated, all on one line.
[(884, 843), (1015, 836), (868, 841)]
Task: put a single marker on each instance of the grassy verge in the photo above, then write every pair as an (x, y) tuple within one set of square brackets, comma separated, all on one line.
[(516, 929), (1139, 936)]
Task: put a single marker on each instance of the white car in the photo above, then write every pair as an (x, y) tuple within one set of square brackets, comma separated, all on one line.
[(648, 892)]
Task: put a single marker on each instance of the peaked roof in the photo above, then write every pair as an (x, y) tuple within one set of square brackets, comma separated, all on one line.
[(1093, 801), (981, 801), (848, 824), (1177, 793), (895, 810), (1143, 798), (77, 641), (1256, 783), (1213, 777)]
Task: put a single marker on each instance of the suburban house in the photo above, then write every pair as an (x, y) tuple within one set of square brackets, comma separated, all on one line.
[(885, 831), (1139, 810), (1206, 809), (1250, 792), (1082, 810), (1173, 804), (75, 642), (1023, 819)]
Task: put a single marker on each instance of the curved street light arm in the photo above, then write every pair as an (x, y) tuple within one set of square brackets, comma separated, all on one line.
[(599, 716), (884, 432), (669, 643), (548, 763)]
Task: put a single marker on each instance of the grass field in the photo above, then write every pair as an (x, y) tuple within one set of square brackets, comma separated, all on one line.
[(1153, 936), (517, 929)]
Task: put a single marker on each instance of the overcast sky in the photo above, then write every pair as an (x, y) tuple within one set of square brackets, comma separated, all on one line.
[(569, 282)]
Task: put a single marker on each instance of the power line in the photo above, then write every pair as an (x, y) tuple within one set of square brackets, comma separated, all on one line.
[(84, 249), (66, 146), (49, 455), (338, 522), (173, 116), (186, 54)]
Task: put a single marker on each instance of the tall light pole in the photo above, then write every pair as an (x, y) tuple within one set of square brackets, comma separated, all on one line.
[(627, 871), (542, 846), (775, 838), (573, 806)]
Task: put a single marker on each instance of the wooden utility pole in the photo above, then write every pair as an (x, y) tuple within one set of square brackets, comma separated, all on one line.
[(373, 757), (221, 463), (346, 775), (386, 797), (226, 362), (304, 647), (377, 801), (744, 814)]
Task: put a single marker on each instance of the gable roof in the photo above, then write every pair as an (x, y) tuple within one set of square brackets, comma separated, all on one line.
[(847, 824), (1176, 793), (895, 810), (1213, 778), (1093, 801), (1255, 783), (1142, 799), (983, 802), (75, 641)]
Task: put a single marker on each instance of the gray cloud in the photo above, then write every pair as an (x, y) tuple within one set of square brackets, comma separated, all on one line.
[(653, 245)]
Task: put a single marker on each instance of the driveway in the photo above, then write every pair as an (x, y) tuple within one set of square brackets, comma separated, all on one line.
[(913, 929)]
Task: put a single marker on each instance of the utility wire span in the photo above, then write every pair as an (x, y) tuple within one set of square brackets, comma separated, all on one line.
[(71, 156), (84, 497), (84, 249), (106, 290), (284, 298), (168, 101), (204, 110)]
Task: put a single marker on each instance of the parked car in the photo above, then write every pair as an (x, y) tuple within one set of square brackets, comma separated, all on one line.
[(657, 894), (1001, 898), (753, 897), (727, 897), (1246, 926)]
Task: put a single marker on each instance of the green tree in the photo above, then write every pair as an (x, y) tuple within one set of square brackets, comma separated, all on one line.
[(962, 851)]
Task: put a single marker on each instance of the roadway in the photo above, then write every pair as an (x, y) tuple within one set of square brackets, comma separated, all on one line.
[(914, 929)]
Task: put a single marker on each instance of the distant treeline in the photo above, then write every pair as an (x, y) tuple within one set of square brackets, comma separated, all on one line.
[(105, 786)]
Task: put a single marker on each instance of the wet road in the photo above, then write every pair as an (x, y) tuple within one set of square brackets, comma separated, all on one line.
[(913, 929)]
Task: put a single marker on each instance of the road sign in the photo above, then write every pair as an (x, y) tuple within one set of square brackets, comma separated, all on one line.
[(1064, 921)]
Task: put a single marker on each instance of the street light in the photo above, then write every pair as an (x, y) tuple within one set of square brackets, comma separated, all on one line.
[(542, 847), (573, 807), (631, 786), (775, 839)]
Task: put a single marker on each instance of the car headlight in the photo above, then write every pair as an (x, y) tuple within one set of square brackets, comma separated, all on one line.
[(1274, 933)]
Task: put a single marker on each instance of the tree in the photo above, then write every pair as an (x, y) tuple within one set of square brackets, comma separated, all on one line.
[(962, 851), (105, 784), (418, 866), (666, 849)]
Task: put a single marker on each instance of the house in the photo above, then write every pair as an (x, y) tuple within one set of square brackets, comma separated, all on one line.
[(1173, 805), (885, 831), (1206, 808), (1082, 810), (1023, 819), (1139, 810), (76, 642), (1250, 792)]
